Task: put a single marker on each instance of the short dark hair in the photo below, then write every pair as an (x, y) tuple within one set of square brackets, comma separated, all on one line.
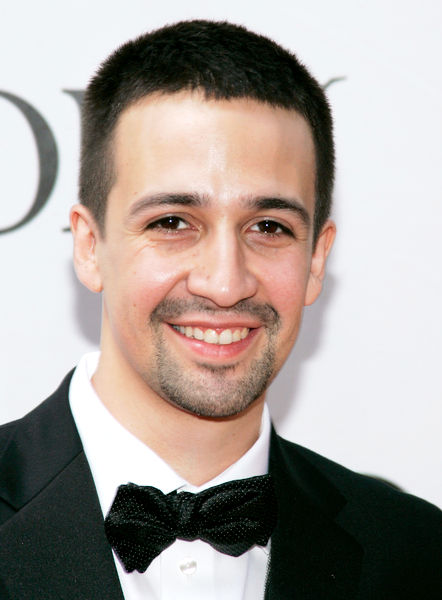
[(224, 61)]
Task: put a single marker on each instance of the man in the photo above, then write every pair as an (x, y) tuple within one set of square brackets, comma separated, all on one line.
[(206, 178)]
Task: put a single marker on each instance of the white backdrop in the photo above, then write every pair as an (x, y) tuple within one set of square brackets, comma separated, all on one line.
[(363, 385)]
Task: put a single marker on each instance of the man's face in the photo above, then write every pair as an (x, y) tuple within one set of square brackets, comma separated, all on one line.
[(206, 262)]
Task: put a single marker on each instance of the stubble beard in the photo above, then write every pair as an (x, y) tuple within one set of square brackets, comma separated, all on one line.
[(210, 390)]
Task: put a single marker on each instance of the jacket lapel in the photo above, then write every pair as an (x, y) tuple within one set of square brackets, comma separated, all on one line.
[(312, 556), (54, 546)]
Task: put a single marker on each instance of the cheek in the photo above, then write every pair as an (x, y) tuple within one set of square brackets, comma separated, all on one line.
[(148, 280), (286, 282), (286, 291)]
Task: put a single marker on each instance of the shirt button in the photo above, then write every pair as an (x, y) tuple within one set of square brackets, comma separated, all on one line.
[(188, 566)]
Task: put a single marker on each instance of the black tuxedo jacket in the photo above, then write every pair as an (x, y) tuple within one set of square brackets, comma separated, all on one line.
[(339, 535)]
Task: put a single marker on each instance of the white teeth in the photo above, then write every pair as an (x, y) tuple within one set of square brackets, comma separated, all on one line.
[(210, 336), (225, 337), (198, 333)]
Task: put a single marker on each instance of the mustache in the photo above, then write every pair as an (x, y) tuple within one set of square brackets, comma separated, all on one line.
[(173, 308)]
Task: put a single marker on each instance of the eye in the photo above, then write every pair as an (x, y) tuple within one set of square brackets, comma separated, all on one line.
[(271, 228), (169, 223)]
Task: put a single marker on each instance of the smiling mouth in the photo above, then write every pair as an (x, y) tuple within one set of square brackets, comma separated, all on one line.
[(221, 337)]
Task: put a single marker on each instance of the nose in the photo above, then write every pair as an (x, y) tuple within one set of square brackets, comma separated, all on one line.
[(221, 273)]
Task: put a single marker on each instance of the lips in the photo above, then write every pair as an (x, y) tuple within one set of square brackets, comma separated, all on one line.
[(218, 336)]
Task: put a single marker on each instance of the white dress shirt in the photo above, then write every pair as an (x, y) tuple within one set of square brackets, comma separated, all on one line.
[(185, 570)]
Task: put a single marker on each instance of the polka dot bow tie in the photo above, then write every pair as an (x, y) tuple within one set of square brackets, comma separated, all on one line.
[(231, 517)]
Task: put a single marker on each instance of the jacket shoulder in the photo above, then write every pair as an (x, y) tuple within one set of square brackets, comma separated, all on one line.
[(380, 509), (400, 534), (366, 490), (361, 487), (35, 448)]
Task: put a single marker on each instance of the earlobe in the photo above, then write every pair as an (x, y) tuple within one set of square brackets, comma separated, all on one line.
[(85, 233), (319, 259)]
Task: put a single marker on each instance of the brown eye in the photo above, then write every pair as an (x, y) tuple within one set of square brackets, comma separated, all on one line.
[(170, 223), (271, 228), (268, 227)]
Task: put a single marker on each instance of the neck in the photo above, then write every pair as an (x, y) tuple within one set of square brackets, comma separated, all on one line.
[(197, 448)]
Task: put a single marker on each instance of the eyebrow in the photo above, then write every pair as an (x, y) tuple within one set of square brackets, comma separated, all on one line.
[(198, 200), (278, 203), (182, 199)]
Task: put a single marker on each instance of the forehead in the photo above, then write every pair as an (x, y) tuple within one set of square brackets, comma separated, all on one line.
[(221, 149)]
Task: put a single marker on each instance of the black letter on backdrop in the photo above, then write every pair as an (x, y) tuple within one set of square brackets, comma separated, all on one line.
[(332, 81), (47, 158), (77, 95)]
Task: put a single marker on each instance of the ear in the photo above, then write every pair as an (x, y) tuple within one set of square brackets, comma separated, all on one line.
[(86, 235), (322, 248)]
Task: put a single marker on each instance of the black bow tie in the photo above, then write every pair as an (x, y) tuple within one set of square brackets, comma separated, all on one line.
[(231, 517)]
